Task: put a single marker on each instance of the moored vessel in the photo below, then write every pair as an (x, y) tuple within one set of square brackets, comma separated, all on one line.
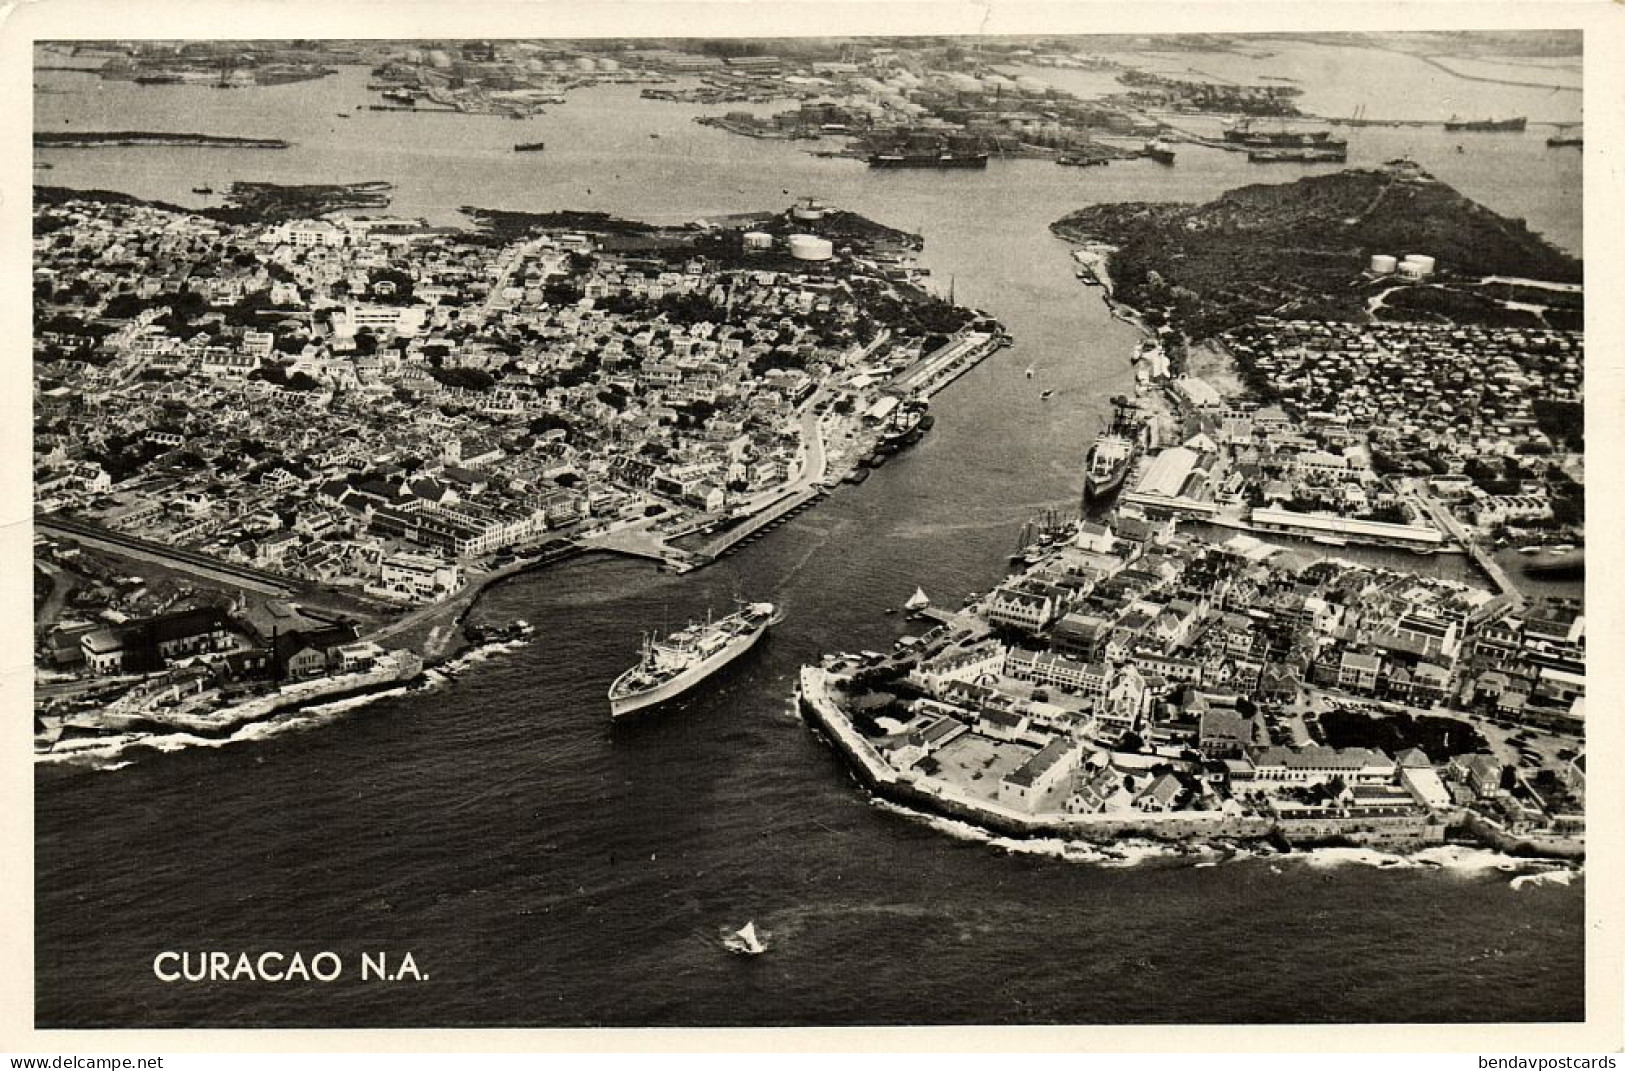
[(906, 425), (1160, 151), (919, 149), (667, 668), (1513, 125), (1114, 450)]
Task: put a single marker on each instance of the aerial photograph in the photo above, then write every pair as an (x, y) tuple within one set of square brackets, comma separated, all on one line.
[(809, 531)]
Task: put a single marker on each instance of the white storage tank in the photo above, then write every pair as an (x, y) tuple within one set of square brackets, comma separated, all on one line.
[(1383, 264), (809, 210), (1423, 265), (810, 247), (758, 240)]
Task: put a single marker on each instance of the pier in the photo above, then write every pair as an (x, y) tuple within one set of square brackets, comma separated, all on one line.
[(760, 524), (935, 371)]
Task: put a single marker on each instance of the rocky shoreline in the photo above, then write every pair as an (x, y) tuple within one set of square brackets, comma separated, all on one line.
[(1127, 837)]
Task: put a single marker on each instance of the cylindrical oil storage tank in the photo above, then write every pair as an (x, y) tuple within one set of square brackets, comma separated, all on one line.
[(586, 63), (758, 240), (809, 210), (1383, 264), (609, 65), (438, 58), (1424, 264), (810, 247)]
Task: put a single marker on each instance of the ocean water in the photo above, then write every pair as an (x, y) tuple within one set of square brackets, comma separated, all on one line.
[(545, 869)]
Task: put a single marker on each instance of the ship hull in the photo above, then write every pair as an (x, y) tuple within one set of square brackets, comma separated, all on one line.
[(622, 706), (1096, 487), (933, 160), (1494, 126)]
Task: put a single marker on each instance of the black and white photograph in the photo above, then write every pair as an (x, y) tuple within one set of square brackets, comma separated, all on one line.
[(1074, 528)]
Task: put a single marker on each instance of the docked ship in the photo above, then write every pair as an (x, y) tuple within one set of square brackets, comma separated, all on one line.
[(1565, 137), (670, 667), (1283, 137), (1160, 151), (914, 150), (1494, 126), (1114, 450), (906, 425), (530, 146)]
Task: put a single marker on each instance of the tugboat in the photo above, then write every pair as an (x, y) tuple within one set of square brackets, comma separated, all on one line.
[(530, 146), (1160, 151), (204, 190)]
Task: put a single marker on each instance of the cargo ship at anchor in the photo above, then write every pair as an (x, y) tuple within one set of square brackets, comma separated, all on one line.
[(667, 668), (1511, 126), (1114, 451)]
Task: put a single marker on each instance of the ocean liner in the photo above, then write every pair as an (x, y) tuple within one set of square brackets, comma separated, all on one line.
[(672, 666)]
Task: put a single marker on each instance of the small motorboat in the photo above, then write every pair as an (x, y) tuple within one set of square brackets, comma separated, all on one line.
[(1045, 396)]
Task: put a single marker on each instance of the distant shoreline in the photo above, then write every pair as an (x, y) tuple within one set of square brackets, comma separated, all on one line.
[(100, 139)]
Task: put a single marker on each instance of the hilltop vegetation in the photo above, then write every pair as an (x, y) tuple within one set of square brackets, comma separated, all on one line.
[(1299, 249)]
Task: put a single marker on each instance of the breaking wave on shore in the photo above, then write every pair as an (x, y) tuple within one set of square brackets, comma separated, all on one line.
[(1459, 860), (115, 752)]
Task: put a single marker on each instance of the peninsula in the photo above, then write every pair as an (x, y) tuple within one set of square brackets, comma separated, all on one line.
[(1200, 663)]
